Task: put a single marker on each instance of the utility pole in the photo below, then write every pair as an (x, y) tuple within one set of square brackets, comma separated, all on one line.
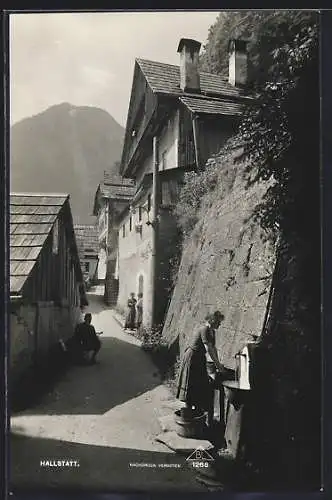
[(155, 221)]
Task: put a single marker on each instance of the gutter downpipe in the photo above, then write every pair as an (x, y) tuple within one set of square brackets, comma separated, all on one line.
[(154, 224), (196, 141)]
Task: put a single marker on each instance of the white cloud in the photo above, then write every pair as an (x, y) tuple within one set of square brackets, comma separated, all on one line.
[(97, 76)]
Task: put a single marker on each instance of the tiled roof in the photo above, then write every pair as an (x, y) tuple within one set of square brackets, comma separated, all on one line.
[(31, 220), (212, 106), (165, 78)]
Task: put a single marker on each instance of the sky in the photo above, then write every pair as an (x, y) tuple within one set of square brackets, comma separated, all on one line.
[(87, 59)]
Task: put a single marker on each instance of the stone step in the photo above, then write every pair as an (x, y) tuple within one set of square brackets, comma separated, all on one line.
[(183, 445)]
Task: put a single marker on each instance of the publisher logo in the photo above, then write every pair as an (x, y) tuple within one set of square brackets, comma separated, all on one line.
[(200, 458)]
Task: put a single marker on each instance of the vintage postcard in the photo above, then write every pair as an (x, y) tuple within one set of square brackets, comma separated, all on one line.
[(164, 310)]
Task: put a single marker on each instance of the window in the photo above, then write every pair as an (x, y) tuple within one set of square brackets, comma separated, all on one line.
[(87, 266), (139, 118), (140, 283), (130, 223), (139, 214), (163, 160), (55, 243), (149, 202), (123, 230)]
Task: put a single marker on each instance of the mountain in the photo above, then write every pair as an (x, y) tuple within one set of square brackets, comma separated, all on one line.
[(65, 149)]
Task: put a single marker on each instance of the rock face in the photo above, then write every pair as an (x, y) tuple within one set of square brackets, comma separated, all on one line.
[(225, 265), (65, 149)]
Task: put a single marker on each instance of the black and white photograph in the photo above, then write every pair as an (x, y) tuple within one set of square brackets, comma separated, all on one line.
[(165, 262)]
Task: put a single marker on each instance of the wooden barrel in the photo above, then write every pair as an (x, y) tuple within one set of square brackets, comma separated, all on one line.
[(191, 424)]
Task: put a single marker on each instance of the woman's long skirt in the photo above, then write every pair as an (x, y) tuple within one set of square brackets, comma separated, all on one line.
[(193, 382), (130, 319)]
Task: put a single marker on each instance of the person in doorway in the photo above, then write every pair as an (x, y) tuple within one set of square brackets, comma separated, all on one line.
[(87, 337), (139, 310), (194, 383), (131, 315)]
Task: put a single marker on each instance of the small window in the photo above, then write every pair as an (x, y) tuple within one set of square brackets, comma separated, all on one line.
[(139, 214), (55, 243), (124, 230), (163, 160), (149, 202), (130, 223)]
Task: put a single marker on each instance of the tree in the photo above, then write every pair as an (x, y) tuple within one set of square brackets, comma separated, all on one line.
[(243, 24)]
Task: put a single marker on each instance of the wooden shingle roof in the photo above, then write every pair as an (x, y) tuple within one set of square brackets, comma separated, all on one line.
[(110, 178), (212, 106), (38, 200), (165, 79), (86, 238), (31, 219), (117, 191), (114, 188)]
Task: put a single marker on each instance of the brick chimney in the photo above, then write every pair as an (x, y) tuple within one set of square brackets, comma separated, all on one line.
[(238, 62), (189, 73)]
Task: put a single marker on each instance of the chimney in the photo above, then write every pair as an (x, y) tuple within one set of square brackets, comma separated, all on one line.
[(238, 62), (189, 74)]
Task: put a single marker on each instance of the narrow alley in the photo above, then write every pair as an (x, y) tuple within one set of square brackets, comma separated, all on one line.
[(104, 417)]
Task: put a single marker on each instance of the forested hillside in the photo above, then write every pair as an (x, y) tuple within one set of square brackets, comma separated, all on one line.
[(65, 149)]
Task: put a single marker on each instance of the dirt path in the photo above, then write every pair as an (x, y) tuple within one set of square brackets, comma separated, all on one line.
[(104, 417)]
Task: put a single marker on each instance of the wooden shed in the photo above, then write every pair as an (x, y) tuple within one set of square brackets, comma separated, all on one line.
[(46, 282)]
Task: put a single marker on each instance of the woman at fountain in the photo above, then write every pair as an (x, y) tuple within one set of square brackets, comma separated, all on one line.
[(200, 363)]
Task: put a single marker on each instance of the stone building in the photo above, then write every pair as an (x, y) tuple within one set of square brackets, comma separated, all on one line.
[(111, 197), (46, 282), (177, 119)]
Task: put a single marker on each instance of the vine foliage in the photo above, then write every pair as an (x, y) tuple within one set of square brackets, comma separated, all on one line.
[(278, 142)]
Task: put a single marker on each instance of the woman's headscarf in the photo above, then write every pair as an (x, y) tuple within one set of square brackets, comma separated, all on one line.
[(215, 316)]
